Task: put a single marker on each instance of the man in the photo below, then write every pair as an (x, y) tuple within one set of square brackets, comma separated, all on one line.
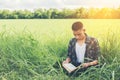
[(82, 49)]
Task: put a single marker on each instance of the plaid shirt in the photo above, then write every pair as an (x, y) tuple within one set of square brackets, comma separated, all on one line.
[(92, 50)]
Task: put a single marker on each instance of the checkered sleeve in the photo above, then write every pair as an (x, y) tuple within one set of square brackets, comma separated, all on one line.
[(69, 54), (96, 49)]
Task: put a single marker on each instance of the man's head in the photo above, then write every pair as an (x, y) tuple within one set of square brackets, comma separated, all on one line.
[(78, 30)]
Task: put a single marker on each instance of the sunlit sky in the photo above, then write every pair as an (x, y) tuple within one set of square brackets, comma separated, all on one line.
[(59, 4)]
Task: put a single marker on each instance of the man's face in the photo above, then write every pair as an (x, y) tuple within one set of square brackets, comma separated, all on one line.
[(79, 34)]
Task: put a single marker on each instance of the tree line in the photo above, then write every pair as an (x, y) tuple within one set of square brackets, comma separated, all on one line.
[(82, 13)]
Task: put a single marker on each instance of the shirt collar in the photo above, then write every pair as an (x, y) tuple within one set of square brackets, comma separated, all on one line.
[(87, 40)]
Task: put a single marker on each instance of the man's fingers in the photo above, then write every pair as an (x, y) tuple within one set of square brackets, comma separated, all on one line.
[(85, 65), (64, 62)]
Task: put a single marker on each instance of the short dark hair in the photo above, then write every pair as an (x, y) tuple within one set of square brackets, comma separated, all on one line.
[(77, 25)]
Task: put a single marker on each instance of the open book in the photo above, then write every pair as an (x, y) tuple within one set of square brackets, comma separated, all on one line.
[(70, 67)]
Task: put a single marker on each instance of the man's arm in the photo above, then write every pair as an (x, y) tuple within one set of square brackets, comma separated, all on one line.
[(96, 55), (95, 62), (68, 59)]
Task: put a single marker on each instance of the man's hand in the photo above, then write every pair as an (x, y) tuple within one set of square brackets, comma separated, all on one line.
[(85, 65), (66, 61)]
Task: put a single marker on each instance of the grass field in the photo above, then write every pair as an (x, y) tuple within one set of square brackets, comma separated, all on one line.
[(30, 48)]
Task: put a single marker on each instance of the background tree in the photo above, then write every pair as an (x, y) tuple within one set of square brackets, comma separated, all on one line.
[(79, 13)]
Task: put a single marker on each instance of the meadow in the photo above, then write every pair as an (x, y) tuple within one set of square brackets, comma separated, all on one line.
[(32, 49)]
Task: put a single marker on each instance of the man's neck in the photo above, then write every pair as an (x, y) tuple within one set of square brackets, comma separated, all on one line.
[(80, 42)]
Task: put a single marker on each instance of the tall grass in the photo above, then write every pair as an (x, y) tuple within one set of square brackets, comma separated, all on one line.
[(23, 57), (27, 56)]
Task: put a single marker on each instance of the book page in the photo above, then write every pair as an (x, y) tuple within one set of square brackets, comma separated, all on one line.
[(69, 67)]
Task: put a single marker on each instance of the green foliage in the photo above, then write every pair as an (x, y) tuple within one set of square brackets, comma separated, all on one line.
[(79, 13), (24, 56)]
